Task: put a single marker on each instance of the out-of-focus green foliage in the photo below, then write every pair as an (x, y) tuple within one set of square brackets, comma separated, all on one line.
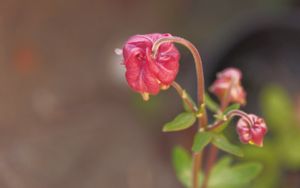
[(225, 175), (280, 151), (182, 162), (281, 147)]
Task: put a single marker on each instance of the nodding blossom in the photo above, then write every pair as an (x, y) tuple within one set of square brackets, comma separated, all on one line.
[(251, 130), (147, 74)]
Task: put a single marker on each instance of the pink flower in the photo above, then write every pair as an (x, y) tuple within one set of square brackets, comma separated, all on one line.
[(145, 74), (251, 129), (228, 86)]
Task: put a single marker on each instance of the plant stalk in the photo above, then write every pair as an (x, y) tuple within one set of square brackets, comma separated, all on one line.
[(183, 95), (211, 159), (202, 120), (213, 150)]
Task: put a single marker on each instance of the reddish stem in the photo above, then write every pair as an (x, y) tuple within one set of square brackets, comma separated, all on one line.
[(212, 156), (241, 114), (181, 93), (202, 120), (213, 150)]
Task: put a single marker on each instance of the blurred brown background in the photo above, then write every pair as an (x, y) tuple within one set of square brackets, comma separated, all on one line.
[(67, 117)]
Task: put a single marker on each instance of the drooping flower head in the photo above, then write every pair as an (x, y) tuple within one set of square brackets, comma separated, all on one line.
[(251, 130), (228, 85), (144, 73)]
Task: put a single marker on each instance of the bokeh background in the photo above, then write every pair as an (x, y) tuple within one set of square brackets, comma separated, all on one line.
[(68, 118)]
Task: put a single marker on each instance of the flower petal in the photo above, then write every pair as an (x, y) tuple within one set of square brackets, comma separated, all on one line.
[(145, 74)]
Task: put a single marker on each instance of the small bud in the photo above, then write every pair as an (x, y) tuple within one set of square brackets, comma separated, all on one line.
[(145, 73), (228, 85), (251, 130)]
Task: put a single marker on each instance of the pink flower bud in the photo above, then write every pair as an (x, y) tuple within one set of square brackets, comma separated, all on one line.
[(251, 129), (145, 74), (228, 86)]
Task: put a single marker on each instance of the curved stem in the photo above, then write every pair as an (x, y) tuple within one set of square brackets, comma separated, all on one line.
[(181, 92), (229, 115), (214, 150), (197, 60), (241, 114), (202, 123), (216, 125)]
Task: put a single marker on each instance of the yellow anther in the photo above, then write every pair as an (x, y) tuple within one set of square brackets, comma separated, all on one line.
[(145, 96)]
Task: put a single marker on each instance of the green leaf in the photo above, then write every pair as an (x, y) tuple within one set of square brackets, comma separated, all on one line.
[(232, 107), (201, 140), (270, 160), (222, 126), (225, 175), (211, 104), (222, 164), (182, 162), (247, 171), (185, 105), (221, 142), (279, 111), (181, 122)]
